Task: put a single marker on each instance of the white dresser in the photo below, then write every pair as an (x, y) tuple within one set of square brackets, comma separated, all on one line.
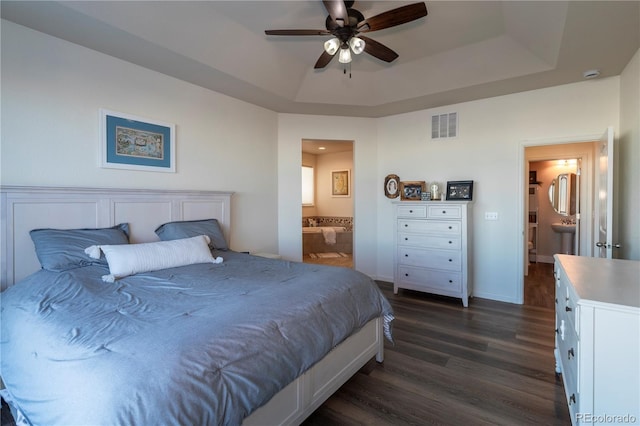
[(432, 248), (598, 338)]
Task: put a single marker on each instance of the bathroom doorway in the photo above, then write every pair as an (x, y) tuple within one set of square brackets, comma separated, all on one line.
[(327, 214), (558, 218)]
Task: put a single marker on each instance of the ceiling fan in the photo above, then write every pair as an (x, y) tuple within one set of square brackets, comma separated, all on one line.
[(345, 25)]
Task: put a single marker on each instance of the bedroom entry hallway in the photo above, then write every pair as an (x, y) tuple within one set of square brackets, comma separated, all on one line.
[(327, 202)]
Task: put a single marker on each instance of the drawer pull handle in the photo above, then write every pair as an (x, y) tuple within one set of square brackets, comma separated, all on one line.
[(450, 260), (570, 353), (450, 227), (450, 281), (557, 331), (450, 242), (406, 255), (410, 211), (444, 212), (406, 238), (568, 309), (406, 225), (572, 398), (406, 275)]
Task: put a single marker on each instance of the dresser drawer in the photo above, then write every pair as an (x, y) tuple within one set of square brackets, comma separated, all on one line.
[(412, 211), (452, 242), (448, 260), (442, 211), (442, 280), (429, 226)]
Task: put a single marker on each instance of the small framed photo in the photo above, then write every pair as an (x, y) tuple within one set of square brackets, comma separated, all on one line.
[(412, 190), (392, 186), (460, 190), (340, 183), (136, 143)]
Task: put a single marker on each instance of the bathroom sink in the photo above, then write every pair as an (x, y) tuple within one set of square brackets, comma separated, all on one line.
[(564, 228)]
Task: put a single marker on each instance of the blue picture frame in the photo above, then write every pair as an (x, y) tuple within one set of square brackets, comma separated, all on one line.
[(136, 143)]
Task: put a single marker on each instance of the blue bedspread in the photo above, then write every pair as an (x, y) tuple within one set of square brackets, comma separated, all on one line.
[(197, 345)]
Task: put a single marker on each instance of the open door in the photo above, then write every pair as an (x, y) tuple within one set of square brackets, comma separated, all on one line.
[(604, 204)]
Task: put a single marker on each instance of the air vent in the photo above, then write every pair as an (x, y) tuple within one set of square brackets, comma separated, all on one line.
[(444, 125)]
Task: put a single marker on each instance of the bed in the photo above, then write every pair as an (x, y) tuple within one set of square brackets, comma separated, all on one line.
[(230, 340)]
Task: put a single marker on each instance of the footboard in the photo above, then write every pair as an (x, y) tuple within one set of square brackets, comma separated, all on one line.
[(301, 398)]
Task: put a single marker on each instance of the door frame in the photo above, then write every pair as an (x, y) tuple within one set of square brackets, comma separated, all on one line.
[(523, 185)]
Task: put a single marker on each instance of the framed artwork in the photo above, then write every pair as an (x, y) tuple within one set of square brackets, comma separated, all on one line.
[(136, 143), (460, 190), (340, 183), (392, 186), (412, 190)]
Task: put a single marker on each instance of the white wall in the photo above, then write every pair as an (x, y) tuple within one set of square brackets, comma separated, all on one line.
[(488, 151), (52, 91), (328, 205), (629, 161)]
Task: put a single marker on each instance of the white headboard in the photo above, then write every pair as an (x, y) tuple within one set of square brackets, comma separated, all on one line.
[(26, 208)]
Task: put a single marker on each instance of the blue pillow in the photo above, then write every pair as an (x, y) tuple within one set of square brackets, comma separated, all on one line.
[(63, 249), (193, 228)]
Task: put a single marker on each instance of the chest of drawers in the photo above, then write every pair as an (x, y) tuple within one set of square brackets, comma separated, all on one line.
[(432, 248), (597, 346)]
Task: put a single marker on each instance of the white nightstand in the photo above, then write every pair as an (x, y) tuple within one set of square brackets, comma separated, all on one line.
[(268, 255)]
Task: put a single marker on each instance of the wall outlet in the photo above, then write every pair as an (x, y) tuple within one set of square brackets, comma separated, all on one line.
[(490, 215)]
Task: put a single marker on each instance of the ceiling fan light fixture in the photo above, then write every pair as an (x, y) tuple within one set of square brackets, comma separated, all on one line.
[(345, 55), (357, 45), (331, 46)]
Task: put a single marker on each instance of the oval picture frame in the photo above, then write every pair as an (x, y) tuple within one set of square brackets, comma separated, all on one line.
[(392, 186)]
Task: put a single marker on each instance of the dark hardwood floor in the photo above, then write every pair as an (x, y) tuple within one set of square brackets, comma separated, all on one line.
[(491, 363), (539, 289)]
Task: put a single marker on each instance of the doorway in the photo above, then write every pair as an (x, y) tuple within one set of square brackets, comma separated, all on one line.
[(328, 215), (545, 163)]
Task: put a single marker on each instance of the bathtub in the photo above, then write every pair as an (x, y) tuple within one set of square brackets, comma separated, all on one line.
[(313, 240)]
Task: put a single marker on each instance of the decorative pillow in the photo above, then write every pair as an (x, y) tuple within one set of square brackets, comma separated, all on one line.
[(63, 249), (132, 259), (191, 228)]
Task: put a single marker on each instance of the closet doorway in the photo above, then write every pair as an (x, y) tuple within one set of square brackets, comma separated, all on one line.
[(328, 213)]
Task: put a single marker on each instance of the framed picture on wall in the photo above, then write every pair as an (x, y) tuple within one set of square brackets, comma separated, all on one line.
[(136, 143), (460, 190), (412, 190), (341, 183)]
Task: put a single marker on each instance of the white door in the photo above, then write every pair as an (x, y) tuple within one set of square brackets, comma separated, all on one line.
[(604, 202)]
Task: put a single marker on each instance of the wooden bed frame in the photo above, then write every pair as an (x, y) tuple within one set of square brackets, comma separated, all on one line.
[(26, 208)]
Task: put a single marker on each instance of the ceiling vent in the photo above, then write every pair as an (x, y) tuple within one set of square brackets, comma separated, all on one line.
[(444, 125)]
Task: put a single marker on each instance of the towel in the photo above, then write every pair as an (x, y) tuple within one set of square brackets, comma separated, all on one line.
[(329, 234)]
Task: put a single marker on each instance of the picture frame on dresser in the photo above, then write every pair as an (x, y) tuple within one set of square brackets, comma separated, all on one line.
[(392, 186), (461, 190), (412, 190), (136, 143)]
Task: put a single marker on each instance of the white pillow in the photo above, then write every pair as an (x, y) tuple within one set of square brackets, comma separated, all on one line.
[(129, 259)]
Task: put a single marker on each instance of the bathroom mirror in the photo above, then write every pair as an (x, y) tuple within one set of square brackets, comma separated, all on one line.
[(562, 194)]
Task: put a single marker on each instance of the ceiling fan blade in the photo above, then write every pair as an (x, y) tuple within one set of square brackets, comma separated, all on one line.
[(393, 17), (378, 50), (323, 60), (297, 32), (338, 11)]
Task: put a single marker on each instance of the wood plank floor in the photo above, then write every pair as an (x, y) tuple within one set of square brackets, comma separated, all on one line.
[(491, 363)]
